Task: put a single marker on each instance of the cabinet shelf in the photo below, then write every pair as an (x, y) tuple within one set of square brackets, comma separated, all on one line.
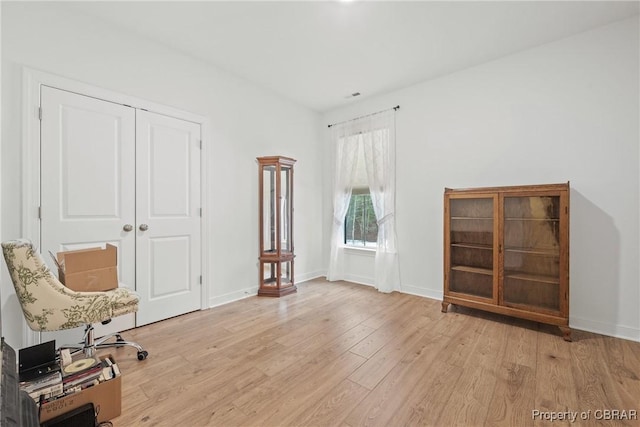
[(467, 218), (534, 251), (532, 277), (530, 307), (472, 246), (506, 250), (534, 219), (469, 269)]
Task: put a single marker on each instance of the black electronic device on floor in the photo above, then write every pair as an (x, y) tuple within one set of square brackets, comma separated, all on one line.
[(37, 360), (82, 416)]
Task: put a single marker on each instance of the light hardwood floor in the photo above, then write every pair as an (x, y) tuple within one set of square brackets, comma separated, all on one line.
[(340, 354)]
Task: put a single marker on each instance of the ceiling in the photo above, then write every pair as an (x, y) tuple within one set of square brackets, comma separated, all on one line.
[(318, 53)]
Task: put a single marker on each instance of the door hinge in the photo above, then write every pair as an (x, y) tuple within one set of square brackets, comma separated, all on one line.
[(40, 212), (201, 279), (200, 212), (201, 144), (40, 113)]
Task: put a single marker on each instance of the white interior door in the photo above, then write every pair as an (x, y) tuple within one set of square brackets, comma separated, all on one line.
[(87, 184), (168, 215)]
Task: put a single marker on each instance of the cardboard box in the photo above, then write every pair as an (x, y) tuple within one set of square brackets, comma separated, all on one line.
[(106, 398), (92, 269)]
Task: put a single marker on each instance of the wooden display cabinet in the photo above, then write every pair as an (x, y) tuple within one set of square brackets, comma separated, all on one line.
[(506, 250), (276, 226)]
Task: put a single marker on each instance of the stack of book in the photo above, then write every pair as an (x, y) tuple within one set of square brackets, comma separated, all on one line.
[(80, 374), (44, 387)]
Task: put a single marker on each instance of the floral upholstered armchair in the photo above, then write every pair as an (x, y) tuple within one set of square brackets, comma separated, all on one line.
[(48, 305)]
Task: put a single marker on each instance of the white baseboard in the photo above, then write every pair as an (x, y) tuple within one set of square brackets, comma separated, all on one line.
[(618, 331), (233, 296), (305, 277), (360, 280), (253, 290), (421, 292)]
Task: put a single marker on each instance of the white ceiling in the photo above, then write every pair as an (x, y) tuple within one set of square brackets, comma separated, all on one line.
[(317, 53)]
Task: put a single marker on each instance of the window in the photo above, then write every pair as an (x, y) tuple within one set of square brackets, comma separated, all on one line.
[(360, 225)]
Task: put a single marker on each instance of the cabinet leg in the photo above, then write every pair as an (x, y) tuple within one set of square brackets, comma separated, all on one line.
[(566, 333), (445, 306)]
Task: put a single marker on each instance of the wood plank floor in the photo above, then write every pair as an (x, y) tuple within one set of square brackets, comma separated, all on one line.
[(340, 354)]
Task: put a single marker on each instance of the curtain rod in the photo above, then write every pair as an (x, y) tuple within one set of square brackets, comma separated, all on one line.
[(396, 108)]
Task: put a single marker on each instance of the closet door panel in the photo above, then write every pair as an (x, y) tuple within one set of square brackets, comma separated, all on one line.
[(168, 216), (88, 167), (87, 191)]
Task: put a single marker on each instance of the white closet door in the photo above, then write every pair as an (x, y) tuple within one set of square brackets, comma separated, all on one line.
[(168, 216), (87, 183)]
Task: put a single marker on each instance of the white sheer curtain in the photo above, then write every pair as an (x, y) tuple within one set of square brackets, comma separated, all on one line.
[(380, 161), (376, 135), (346, 163)]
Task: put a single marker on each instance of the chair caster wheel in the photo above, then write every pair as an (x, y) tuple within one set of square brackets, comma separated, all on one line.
[(142, 355), (119, 338)]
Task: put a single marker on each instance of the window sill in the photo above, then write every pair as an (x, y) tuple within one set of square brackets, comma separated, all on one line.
[(355, 250)]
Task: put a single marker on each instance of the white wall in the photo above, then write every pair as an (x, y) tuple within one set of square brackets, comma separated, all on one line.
[(565, 111), (246, 122)]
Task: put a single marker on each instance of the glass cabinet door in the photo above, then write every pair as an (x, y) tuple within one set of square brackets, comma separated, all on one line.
[(269, 226), (269, 272), (286, 272), (532, 252), (471, 251), (285, 209)]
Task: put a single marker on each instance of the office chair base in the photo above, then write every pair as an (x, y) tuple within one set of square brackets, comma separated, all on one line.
[(90, 345)]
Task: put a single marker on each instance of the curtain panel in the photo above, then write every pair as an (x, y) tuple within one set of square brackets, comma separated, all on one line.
[(375, 135)]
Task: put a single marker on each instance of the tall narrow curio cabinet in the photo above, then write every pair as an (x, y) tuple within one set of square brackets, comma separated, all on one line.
[(506, 250), (276, 226)]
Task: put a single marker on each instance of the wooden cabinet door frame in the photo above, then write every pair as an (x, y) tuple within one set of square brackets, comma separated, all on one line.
[(563, 293), (447, 243)]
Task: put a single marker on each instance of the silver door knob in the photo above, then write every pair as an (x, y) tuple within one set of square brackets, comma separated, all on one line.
[(143, 227), (127, 227)]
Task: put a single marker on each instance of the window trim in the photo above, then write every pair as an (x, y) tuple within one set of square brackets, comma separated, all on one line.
[(360, 250)]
